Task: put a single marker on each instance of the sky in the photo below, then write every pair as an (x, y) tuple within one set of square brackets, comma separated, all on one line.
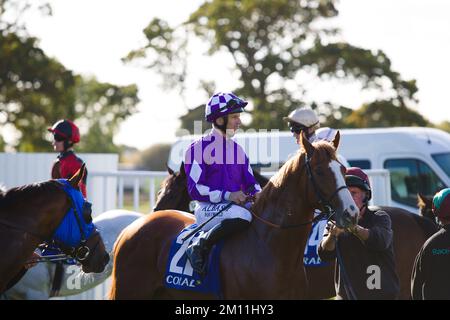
[(91, 36)]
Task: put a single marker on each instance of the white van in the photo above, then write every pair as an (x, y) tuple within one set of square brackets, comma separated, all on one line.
[(418, 159), (415, 159)]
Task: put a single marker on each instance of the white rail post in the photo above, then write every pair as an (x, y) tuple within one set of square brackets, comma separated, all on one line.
[(136, 194), (105, 193), (120, 198), (152, 193)]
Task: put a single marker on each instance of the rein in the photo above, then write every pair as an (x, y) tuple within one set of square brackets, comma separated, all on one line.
[(319, 217)]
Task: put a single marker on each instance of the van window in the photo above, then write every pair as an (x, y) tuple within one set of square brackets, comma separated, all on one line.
[(410, 176), (443, 160), (363, 164)]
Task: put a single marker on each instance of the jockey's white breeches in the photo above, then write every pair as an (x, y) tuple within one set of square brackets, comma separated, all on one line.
[(205, 210)]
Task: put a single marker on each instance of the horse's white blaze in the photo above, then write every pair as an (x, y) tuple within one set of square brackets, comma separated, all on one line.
[(343, 194)]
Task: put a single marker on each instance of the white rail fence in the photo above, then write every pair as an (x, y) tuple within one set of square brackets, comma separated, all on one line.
[(114, 183)]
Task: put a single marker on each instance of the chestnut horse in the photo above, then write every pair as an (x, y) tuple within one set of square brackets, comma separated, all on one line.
[(30, 215), (265, 261), (406, 225), (173, 194)]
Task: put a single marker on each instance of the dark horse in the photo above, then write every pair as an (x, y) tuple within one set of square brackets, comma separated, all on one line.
[(406, 225), (261, 263), (425, 204), (30, 215)]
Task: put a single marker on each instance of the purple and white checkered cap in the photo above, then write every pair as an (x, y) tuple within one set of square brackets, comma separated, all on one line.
[(220, 104)]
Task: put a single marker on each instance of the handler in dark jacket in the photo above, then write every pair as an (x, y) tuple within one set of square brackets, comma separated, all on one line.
[(431, 276), (366, 268)]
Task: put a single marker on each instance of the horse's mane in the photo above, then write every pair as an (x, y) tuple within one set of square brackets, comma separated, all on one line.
[(289, 174), (25, 193)]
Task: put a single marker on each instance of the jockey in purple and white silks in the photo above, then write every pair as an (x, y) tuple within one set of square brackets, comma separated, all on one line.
[(218, 172)]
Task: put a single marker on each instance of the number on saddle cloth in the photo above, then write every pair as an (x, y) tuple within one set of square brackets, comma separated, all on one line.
[(311, 257), (180, 274)]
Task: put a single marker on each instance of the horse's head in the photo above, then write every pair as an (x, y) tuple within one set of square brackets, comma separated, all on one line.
[(425, 205), (173, 193), (326, 176), (76, 234)]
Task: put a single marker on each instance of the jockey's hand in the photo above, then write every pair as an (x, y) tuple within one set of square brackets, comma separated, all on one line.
[(254, 198), (238, 197)]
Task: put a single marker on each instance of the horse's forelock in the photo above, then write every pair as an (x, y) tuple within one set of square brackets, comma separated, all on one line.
[(324, 149)]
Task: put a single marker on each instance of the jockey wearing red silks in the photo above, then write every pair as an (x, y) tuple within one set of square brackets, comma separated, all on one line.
[(66, 134), (219, 172)]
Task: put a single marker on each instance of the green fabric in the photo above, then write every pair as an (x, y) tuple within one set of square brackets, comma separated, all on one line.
[(439, 197)]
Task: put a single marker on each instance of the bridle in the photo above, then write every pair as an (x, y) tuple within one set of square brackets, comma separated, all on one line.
[(79, 253), (328, 211)]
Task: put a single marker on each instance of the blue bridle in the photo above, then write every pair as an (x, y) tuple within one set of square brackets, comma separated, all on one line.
[(73, 231)]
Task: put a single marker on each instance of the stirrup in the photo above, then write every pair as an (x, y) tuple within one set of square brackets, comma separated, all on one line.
[(200, 263)]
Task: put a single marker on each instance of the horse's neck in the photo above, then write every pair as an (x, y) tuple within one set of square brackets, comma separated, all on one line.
[(285, 243)]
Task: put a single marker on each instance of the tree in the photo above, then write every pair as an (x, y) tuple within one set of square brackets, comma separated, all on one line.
[(273, 44), (382, 114), (155, 157), (445, 125), (36, 91), (196, 114), (102, 107)]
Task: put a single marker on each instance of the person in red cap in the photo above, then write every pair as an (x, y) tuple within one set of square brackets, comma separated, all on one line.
[(431, 277), (366, 269), (65, 135)]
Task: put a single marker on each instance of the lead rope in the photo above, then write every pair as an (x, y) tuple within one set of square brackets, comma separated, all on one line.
[(346, 281)]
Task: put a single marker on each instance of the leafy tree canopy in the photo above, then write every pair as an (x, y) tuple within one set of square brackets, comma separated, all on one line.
[(275, 45), (37, 90)]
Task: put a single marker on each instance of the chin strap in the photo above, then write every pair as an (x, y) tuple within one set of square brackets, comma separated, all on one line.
[(222, 127)]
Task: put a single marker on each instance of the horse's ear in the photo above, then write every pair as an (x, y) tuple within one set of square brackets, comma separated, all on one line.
[(182, 172), (78, 176), (423, 200), (307, 146), (336, 140), (421, 197), (170, 171)]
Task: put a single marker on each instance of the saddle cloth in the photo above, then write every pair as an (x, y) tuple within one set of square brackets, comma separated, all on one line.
[(179, 272), (311, 257)]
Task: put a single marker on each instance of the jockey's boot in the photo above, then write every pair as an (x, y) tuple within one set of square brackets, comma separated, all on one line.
[(198, 251)]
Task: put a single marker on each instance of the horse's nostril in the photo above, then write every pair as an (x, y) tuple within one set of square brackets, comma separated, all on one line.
[(352, 207)]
